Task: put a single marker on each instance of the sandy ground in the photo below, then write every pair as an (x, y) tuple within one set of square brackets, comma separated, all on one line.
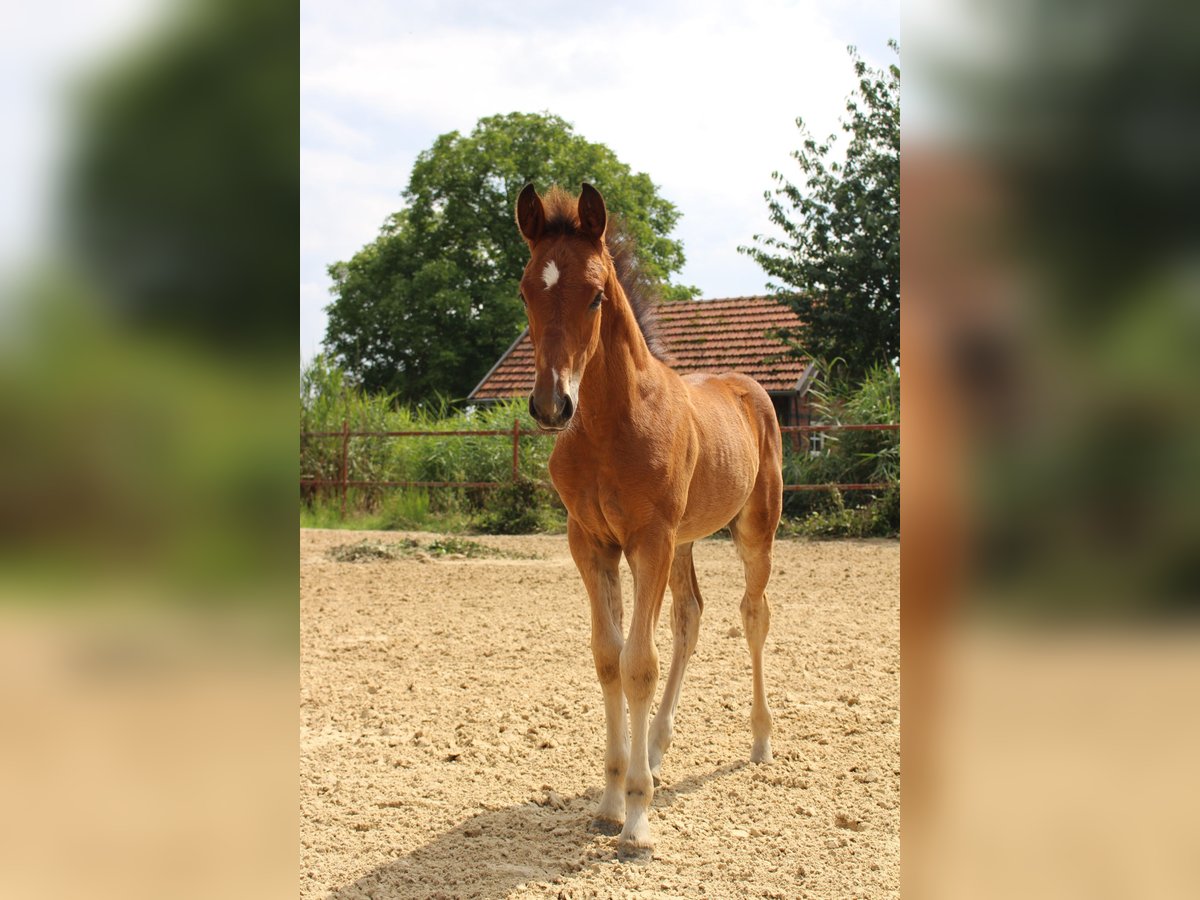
[(452, 730)]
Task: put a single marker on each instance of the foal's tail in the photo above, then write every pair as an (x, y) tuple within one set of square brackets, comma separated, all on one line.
[(761, 412)]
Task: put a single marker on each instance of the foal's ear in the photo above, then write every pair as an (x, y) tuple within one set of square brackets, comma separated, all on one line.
[(531, 215), (592, 215)]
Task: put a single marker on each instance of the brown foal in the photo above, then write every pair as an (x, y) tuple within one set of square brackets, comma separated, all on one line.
[(646, 462)]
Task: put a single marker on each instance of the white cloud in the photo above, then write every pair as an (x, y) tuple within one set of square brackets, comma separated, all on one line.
[(343, 200), (329, 130)]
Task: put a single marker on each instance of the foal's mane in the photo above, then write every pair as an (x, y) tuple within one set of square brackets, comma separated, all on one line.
[(562, 218)]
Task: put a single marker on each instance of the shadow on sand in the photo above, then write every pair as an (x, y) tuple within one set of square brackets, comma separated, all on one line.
[(488, 854)]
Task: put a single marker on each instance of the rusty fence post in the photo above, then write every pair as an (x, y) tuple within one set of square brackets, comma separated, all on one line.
[(516, 450), (345, 456)]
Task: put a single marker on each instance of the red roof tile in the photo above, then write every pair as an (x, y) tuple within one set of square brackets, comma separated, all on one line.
[(702, 336)]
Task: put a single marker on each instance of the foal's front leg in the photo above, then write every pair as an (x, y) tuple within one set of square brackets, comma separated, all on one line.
[(598, 565), (650, 558)]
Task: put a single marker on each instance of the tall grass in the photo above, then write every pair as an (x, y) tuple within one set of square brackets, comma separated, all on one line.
[(328, 399), (401, 509)]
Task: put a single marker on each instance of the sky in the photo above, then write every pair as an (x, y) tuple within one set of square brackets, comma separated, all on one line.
[(701, 95)]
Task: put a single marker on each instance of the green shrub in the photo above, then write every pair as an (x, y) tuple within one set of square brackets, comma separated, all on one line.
[(520, 507), (880, 517)]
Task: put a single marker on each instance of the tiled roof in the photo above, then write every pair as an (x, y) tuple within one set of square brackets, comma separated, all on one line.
[(701, 335)]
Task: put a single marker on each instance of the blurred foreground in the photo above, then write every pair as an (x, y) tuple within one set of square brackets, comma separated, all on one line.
[(147, 557), (1051, 356)]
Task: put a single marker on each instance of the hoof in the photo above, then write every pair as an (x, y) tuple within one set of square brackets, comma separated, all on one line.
[(761, 752), (631, 853), (606, 827)]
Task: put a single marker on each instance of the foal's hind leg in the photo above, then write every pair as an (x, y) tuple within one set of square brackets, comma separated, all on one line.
[(754, 534), (686, 606)]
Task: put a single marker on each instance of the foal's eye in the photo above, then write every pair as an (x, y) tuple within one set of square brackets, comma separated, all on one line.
[(595, 304)]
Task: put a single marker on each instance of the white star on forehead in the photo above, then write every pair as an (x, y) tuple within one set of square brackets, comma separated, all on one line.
[(550, 274)]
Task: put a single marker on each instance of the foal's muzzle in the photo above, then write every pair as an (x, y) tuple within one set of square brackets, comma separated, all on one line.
[(557, 416)]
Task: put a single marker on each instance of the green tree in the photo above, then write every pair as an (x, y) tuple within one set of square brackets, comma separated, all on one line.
[(427, 307), (838, 260)]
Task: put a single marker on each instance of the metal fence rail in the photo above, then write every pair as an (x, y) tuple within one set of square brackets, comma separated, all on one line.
[(344, 482)]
